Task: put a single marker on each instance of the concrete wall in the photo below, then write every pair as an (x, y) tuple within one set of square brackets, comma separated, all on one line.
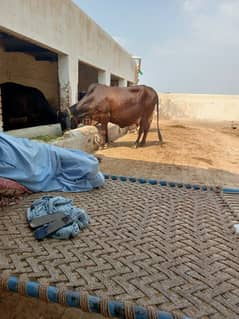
[(24, 69), (62, 27), (200, 107)]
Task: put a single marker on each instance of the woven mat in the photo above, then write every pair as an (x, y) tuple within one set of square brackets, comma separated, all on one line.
[(173, 248)]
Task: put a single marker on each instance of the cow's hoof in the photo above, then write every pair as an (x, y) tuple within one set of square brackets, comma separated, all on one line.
[(142, 144), (103, 147)]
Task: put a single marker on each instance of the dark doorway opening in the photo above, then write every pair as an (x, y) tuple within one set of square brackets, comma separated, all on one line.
[(28, 83)]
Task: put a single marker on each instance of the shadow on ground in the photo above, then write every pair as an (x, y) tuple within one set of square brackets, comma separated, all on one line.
[(169, 172)]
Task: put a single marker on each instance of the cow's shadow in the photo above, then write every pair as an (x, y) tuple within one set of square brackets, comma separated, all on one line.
[(131, 144)]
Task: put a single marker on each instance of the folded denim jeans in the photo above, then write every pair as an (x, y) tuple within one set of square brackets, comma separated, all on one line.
[(54, 205)]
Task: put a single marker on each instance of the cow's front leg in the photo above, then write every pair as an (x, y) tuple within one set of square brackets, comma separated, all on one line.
[(104, 135)]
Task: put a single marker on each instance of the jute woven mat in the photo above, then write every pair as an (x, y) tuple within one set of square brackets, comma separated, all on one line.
[(169, 247)]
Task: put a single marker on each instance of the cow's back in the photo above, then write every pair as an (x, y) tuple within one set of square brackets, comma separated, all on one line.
[(127, 105)]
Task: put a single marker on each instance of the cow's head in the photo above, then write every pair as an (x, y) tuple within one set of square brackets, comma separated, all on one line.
[(82, 109), (93, 105)]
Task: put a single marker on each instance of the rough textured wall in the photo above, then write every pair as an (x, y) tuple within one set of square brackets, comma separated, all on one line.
[(200, 106), (24, 69)]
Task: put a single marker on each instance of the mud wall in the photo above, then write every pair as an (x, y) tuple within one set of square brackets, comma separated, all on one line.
[(199, 107)]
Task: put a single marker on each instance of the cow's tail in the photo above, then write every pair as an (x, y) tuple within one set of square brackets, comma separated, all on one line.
[(158, 129)]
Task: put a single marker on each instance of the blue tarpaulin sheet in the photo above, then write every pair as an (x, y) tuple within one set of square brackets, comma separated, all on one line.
[(44, 167)]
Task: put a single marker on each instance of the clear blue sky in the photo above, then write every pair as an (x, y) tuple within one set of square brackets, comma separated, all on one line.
[(186, 45)]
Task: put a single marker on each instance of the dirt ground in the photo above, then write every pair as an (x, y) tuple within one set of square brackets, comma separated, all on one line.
[(193, 152)]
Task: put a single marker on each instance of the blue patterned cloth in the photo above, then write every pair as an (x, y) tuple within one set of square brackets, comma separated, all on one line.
[(44, 167), (52, 205)]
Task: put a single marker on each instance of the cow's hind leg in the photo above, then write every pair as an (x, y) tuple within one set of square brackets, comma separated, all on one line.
[(142, 143), (146, 125), (140, 132)]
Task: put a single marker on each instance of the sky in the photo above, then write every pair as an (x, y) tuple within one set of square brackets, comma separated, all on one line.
[(186, 46)]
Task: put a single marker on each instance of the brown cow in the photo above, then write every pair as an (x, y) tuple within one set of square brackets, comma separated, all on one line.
[(121, 106)]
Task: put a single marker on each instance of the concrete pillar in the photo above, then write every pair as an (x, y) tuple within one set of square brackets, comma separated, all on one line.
[(104, 77), (122, 82), (68, 80)]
